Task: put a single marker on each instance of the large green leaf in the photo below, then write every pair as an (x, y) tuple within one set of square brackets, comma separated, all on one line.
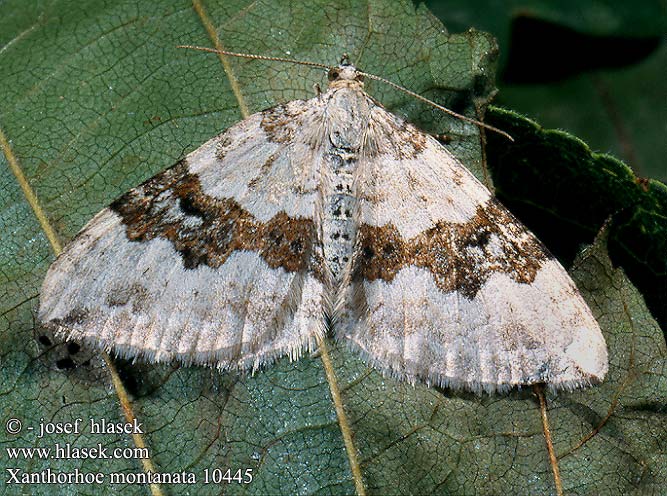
[(96, 98)]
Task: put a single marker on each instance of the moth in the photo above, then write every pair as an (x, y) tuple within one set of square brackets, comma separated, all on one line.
[(327, 215)]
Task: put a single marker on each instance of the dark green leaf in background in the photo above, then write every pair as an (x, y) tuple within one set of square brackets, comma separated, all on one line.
[(595, 68), (95, 98)]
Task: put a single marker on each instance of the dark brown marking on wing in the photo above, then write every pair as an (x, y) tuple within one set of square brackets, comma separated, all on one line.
[(223, 144), (280, 122), (461, 256), (76, 316), (135, 293), (206, 230), (264, 171)]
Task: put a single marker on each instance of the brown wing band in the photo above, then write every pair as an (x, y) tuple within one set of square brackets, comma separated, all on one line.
[(206, 230), (461, 256)]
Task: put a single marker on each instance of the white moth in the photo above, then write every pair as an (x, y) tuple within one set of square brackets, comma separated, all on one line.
[(318, 215)]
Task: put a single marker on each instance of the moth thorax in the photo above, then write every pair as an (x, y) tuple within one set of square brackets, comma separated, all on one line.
[(339, 227)]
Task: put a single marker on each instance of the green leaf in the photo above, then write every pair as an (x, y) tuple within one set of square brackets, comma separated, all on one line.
[(97, 98), (594, 17), (617, 110), (599, 74)]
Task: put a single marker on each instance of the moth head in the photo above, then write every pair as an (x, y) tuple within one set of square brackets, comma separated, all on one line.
[(345, 72)]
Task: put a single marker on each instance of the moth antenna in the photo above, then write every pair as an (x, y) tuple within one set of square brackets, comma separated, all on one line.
[(257, 57), (345, 60), (433, 104)]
